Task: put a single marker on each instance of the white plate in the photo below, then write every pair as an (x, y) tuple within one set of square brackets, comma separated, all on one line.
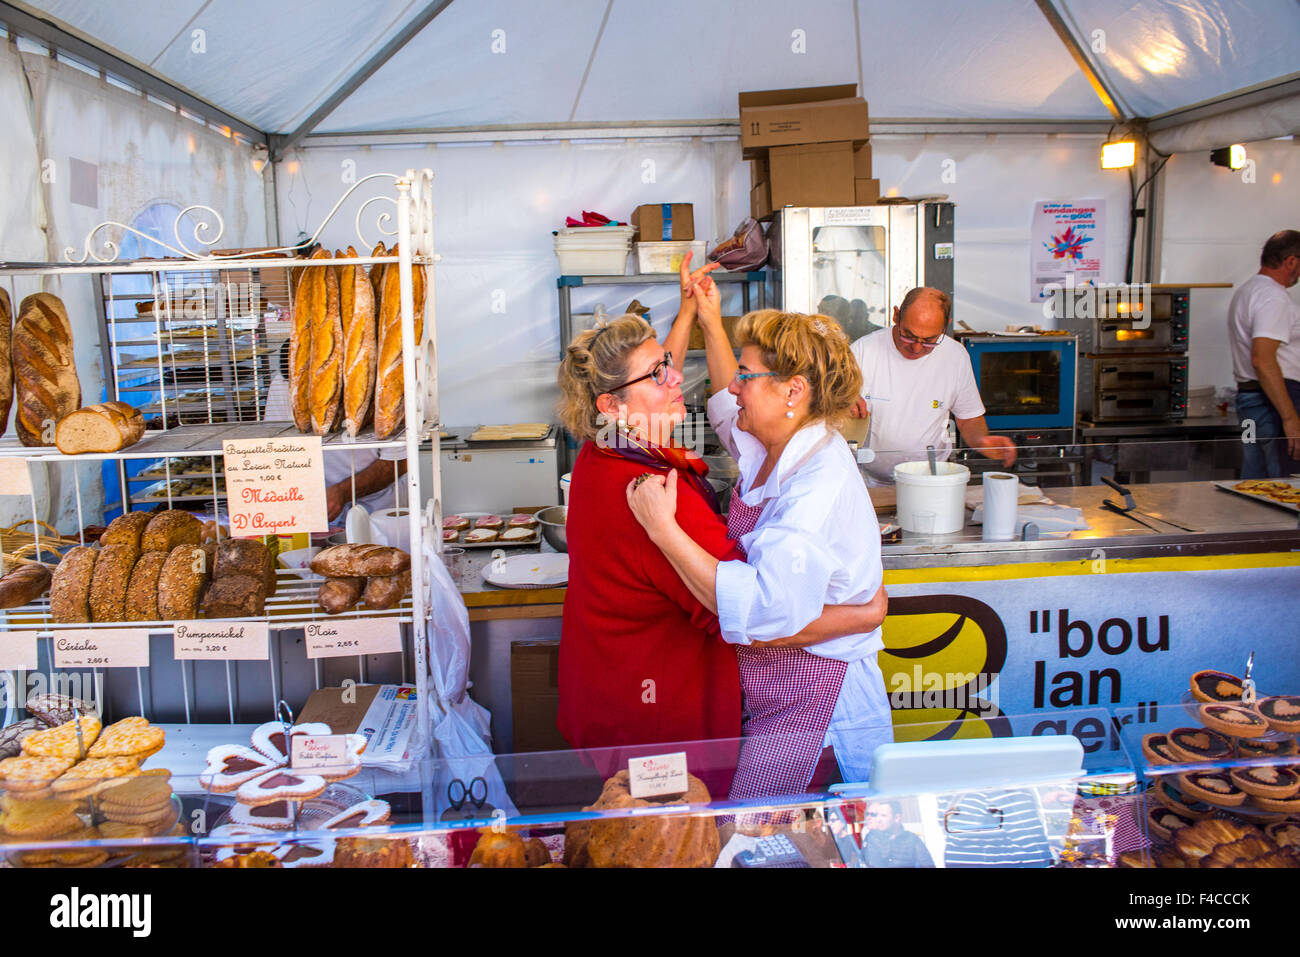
[(543, 570), (358, 526), (298, 561)]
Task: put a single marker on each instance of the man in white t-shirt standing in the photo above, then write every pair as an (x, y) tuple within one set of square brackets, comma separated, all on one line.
[(1264, 333), (913, 377)]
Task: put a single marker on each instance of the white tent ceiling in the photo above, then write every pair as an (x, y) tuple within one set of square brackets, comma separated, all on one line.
[(524, 63)]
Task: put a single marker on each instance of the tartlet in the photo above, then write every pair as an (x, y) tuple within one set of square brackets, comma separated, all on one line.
[(1216, 687)]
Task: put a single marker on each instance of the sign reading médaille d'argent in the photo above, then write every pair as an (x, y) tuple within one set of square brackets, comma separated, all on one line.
[(275, 486)]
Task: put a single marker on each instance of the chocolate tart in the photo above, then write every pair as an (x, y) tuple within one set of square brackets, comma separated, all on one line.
[(1216, 687), (1199, 744), (1288, 806), (1284, 833), (1282, 712), (1233, 720), (1164, 792), (1155, 748), (1163, 822), (1212, 787), (1266, 781), (1267, 747)]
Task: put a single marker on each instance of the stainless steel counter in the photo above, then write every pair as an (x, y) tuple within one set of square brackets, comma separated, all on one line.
[(1227, 523)]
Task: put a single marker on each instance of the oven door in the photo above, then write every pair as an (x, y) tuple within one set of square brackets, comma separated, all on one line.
[(1132, 375), (1120, 336)]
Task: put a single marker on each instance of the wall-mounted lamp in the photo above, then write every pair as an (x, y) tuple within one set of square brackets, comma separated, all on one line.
[(1121, 155), (1233, 157)]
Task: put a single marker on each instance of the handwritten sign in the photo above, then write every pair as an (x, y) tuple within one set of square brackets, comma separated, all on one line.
[(320, 751), (102, 648), (221, 641), (18, 651), (275, 486), (658, 775), (15, 478), (353, 636)]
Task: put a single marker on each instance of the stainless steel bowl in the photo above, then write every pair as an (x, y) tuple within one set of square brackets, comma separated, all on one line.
[(552, 520)]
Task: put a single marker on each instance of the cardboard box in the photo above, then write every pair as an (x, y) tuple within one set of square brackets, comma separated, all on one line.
[(760, 200), (664, 222), (535, 695), (821, 114), (866, 192), (862, 161), (812, 174), (759, 169)]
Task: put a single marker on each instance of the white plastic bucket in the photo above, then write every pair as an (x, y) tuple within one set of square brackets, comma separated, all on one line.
[(565, 479), (931, 504)]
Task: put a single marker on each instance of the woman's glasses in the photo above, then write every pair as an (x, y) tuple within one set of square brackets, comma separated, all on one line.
[(743, 377), (659, 373)]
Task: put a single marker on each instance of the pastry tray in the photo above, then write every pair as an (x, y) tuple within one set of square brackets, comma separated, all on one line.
[(534, 539), (527, 440), (1293, 507)]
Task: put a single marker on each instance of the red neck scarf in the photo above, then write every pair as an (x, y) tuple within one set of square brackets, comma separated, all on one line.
[(663, 457)]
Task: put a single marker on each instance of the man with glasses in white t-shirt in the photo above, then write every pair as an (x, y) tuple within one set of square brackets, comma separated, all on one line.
[(913, 377)]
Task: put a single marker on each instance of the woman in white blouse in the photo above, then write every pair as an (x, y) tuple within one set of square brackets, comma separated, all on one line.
[(802, 515)]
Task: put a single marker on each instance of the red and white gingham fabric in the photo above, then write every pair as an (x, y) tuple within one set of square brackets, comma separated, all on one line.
[(790, 696)]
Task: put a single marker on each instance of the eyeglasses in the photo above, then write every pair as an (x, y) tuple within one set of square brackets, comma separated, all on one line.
[(659, 373), (923, 343), (743, 377)]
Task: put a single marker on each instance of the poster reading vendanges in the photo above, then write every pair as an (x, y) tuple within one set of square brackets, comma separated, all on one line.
[(1065, 240)]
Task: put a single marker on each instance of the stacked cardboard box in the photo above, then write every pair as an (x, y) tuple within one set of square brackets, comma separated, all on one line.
[(807, 147)]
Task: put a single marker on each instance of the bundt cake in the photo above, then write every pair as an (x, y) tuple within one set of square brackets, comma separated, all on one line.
[(682, 840), (373, 852), (498, 849)]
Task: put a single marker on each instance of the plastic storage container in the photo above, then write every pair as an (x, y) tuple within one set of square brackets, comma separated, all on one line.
[(594, 250), (667, 257), (931, 504)]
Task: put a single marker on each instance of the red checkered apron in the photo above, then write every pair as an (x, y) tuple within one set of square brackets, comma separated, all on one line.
[(789, 697)]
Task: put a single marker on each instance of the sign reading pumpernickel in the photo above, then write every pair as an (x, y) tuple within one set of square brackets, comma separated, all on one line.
[(45, 378)]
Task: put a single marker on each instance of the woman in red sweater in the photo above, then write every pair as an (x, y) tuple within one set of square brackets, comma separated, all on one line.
[(641, 660)]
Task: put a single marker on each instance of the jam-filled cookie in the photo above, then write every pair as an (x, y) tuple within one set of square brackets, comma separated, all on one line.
[(1199, 744), (1216, 687), (1212, 787), (1282, 712), (1233, 720), (1266, 781)]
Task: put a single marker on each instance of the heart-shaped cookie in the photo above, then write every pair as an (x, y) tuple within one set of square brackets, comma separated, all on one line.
[(281, 784), (275, 816), (230, 765), (306, 854), (361, 814), (269, 738)]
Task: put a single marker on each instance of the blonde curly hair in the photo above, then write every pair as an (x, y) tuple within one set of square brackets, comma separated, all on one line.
[(595, 362), (815, 347)]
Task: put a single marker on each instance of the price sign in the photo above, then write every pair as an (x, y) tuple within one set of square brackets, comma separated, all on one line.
[(312, 751), (18, 651), (15, 479), (353, 636), (658, 775), (102, 648), (226, 641), (275, 486)]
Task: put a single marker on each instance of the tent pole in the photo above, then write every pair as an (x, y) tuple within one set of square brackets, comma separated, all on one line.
[(1080, 58)]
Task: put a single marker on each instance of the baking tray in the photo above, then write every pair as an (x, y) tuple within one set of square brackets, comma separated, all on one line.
[(460, 542), (489, 443), (1292, 507)]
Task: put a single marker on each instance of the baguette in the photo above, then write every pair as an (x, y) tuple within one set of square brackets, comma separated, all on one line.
[(358, 308), (309, 304), (325, 391), (338, 595), (24, 585), (106, 427), (45, 378), (390, 390), (6, 363), (360, 561), (377, 274)]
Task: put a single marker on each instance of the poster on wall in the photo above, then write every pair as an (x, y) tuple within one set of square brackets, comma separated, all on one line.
[(1065, 246)]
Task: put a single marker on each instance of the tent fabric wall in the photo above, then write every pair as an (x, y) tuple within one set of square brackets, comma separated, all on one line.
[(145, 154), (495, 207), (1215, 224)]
